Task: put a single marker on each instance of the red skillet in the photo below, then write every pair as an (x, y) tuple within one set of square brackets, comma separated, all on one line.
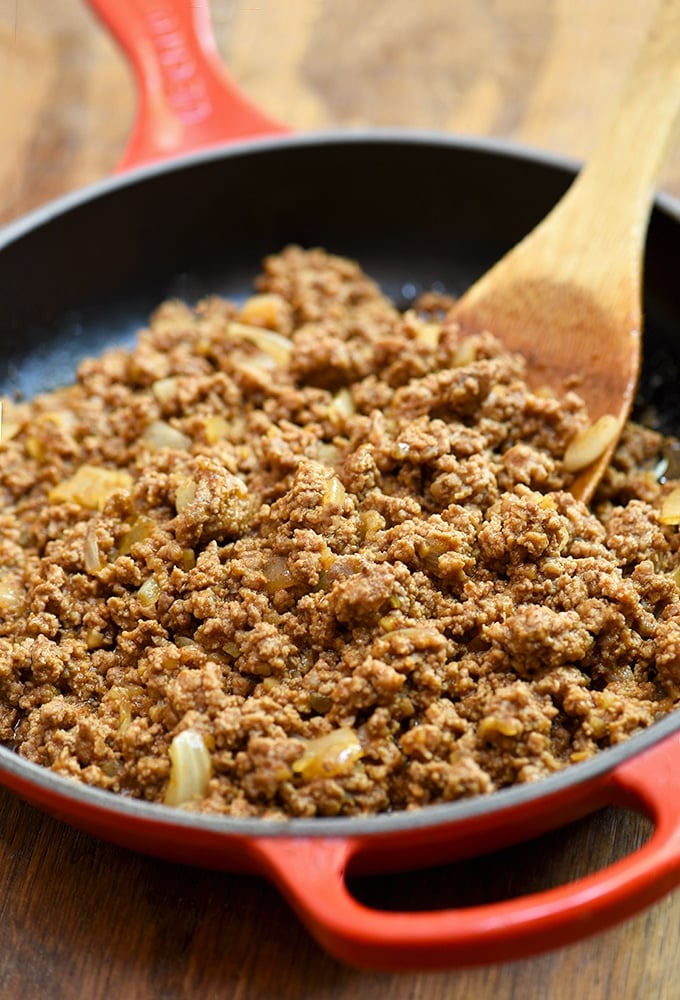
[(416, 209)]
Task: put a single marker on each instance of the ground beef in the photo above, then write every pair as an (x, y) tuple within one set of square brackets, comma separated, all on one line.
[(335, 542)]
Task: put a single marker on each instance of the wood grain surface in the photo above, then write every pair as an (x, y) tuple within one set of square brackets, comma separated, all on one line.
[(82, 919)]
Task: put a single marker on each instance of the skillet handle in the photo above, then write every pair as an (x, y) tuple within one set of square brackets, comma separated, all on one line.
[(311, 874), (186, 99)]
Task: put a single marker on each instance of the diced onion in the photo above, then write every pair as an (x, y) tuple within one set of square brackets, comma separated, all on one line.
[(149, 592), (430, 551), (334, 493), (267, 309), (216, 429), (329, 755), (277, 573), (371, 523), (492, 726), (390, 621), (327, 454), (589, 444), (184, 494), (141, 528), (12, 594), (190, 768), (91, 557), (670, 508), (429, 334), (91, 486), (160, 434), (165, 388), (124, 708), (341, 406), (35, 448), (466, 352), (276, 346), (598, 726), (94, 639)]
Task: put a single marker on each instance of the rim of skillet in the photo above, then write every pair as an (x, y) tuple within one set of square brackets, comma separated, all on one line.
[(489, 145), (23, 224), (70, 790)]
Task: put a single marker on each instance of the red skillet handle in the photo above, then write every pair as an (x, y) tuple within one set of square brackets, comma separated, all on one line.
[(187, 101), (311, 874)]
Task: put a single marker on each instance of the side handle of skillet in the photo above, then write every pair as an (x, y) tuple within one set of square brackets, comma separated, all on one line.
[(186, 99), (312, 876)]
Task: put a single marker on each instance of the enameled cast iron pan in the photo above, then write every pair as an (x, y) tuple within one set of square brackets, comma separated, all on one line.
[(416, 210)]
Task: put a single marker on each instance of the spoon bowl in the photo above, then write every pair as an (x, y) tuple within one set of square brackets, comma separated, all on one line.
[(569, 296)]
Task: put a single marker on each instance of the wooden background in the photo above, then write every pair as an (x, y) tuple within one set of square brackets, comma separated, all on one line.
[(79, 918)]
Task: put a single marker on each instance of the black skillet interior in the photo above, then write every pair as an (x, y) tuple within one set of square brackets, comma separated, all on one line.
[(414, 214), (417, 210)]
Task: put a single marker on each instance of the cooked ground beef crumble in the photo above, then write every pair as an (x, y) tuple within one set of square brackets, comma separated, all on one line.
[(333, 544)]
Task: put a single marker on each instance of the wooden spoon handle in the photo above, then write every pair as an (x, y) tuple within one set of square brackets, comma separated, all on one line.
[(616, 189), (594, 237)]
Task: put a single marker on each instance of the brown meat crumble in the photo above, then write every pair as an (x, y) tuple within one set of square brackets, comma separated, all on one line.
[(330, 544)]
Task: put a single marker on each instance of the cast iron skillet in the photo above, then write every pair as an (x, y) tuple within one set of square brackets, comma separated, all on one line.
[(417, 209)]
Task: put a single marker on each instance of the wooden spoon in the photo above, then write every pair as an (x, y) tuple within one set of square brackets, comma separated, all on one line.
[(569, 296)]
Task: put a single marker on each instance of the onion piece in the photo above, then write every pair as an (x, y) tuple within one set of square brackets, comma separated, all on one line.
[(190, 768), (160, 434), (589, 444), (91, 555), (428, 334), (91, 486), (12, 594), (216, 428), (185, 494), (466, 352), (164, 389), (266, 310), (273, 344), (371, 523), (95, 639), (277, 573), (341, 406), (334, 494), (492, 726), (149, 592), (141, 528), (670, 507), (329, 755)]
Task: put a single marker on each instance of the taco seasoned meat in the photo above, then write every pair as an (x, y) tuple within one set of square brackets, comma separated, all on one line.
[(311, 555)]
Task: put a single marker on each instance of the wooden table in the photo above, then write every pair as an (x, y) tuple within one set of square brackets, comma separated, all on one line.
[(80, 918)]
